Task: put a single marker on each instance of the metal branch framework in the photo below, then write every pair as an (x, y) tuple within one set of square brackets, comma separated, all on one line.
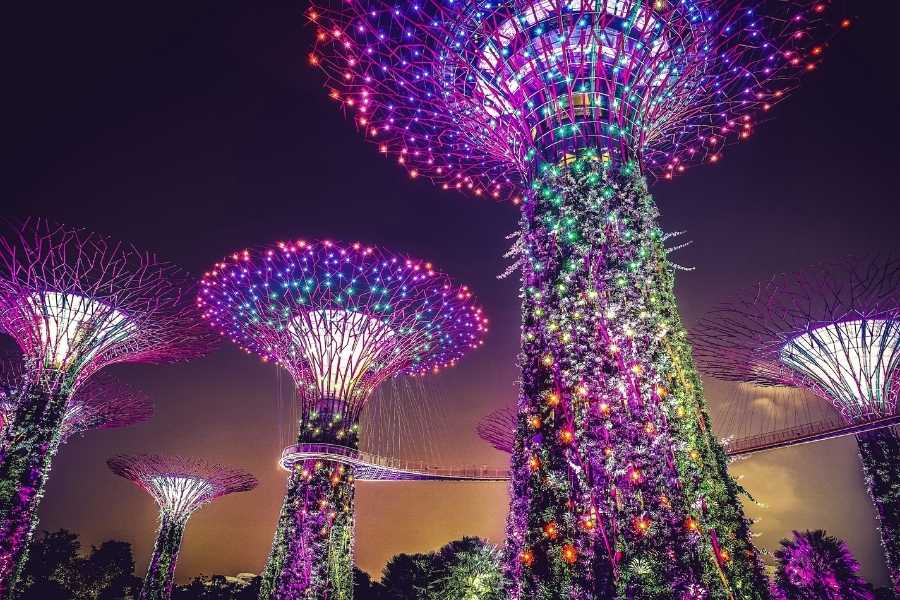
[(101, 403), (499, 429), (180, 486), (341, 319), (75, 302), (476, 95), (835, 331)]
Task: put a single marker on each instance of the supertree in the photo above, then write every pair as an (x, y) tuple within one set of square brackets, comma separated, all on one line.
[(833, 330), (619, 486), (101, 403), (499, 429), (180, 486), (340, 318), (74, 302), (817, 566)]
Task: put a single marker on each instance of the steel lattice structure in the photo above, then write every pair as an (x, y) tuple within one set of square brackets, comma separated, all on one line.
[(564, 106), (835, 331), (477, 95), (499, 429), (180, 486), (101, 403), (340, 318), (75, 302)]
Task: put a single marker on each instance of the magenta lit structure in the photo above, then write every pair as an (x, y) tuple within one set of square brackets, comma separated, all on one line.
[(74, 302), (101, 403), (499, 429), (833, 330), (619, 488), (179, 486), (341, 319)]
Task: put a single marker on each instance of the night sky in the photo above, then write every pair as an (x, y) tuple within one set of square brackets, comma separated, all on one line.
[(195, 129)]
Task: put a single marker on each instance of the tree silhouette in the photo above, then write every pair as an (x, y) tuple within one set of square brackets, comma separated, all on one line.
[(52, 563), (407, 576), (109, 571), (56, 570)]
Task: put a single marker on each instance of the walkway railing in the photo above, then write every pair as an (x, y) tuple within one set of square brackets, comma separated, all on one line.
[(804, 434), (371, 467)]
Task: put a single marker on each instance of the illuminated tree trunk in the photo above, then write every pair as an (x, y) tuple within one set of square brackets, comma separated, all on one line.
[(161, 572), (619, 489), (880, 454), (311, 557), (32, 439)]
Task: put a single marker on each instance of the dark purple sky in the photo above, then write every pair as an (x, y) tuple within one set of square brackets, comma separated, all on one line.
[(194, 129)]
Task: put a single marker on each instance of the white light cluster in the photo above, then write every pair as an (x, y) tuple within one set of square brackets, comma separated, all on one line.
[(74, 329), (854, 362), (340, 347), (180, 495)]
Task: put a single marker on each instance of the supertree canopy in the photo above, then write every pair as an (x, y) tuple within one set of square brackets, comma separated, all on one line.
[(499, 429), (835, 331), (101, 403), (74, 302), (180, 486), (482, 95), (340, 318), (563, 107)]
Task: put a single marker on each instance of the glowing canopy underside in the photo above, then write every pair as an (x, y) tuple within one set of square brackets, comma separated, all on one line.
[(340, 348), (854, 363), (341, 318), (475, 94), (179, 495), (180, 485), (73, 329), (833, 329), (75, 301)]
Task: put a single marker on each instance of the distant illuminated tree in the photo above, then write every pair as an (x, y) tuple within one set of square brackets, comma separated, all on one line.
[(180, 486), (101, 403), (74, 302), (816, 566), (833, 330), (499, 429), (341, 319)]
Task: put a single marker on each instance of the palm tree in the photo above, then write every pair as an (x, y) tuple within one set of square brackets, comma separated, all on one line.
[(817, 566)]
